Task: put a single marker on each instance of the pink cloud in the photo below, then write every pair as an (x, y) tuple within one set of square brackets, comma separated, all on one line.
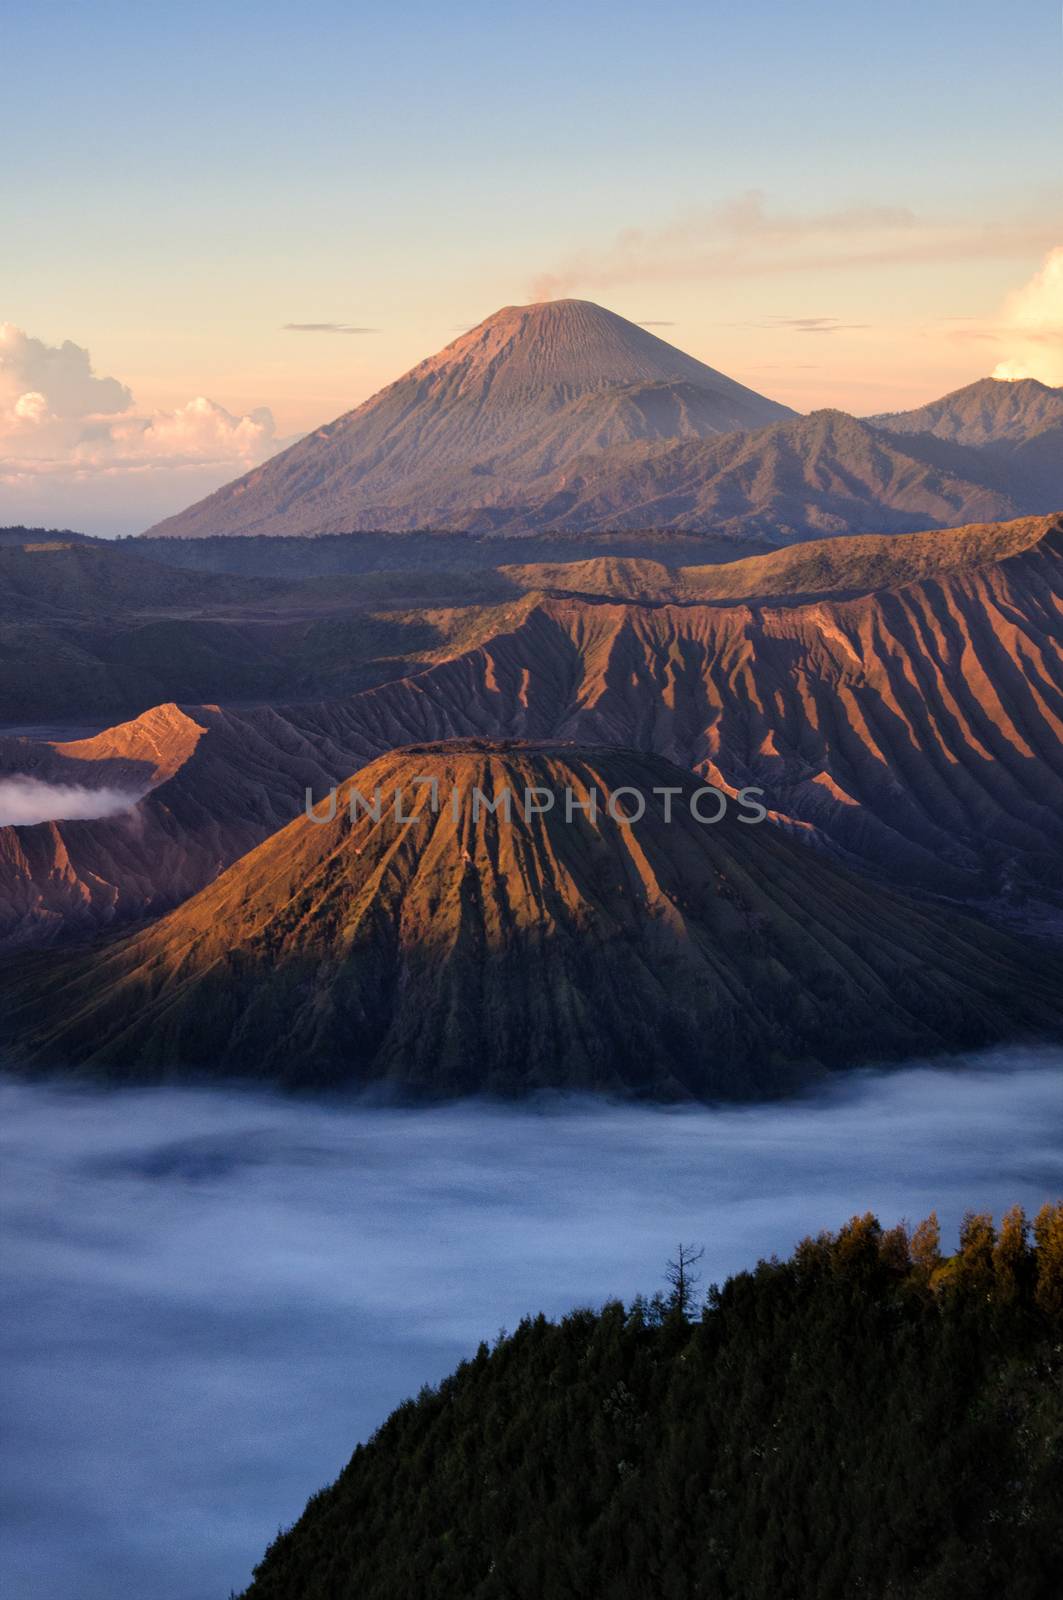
[(745, 237)]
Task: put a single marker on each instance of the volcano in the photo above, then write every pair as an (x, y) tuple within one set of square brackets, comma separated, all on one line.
[(898, 698), (565, 417), (513, 399), (528, 947)]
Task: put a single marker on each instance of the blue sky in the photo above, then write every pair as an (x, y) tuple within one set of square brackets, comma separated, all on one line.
[(188, 179)]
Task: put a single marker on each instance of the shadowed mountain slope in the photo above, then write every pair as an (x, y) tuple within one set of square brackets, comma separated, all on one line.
[(92, 632), (824, 474), (48, 577), (243, 776), (1017, 428), (916, 728), (515, 397), (97, 632), (438, 552), (131, 760), (516, 948)]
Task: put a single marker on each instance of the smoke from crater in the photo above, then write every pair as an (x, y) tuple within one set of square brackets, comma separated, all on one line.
[(25, 800)]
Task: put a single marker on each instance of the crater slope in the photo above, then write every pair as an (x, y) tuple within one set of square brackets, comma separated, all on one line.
[(542, 942), (906, 714)]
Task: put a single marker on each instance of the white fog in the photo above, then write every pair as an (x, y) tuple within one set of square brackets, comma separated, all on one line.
[(213, 1295)]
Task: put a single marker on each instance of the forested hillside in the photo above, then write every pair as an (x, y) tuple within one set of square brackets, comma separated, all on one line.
[(868, 1418)]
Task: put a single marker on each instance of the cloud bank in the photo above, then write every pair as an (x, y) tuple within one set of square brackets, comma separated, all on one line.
[(76, 444), (214, 1295)]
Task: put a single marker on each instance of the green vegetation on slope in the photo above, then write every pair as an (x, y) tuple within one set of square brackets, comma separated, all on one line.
[(864, 1419)]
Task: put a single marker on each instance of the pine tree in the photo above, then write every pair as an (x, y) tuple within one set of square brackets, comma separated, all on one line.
[(1011, 1256), (683, 1280), (925, 1248), (1048, 1233)]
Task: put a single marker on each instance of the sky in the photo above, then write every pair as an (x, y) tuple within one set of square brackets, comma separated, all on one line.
[(228, 223)]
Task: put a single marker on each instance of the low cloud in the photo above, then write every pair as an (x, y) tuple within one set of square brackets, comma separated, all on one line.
[(219, 1293), (324, 327), (1032, 326), (25, 801), (746, 237)]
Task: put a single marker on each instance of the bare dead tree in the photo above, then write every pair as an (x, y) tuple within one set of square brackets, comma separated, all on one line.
[(683, 1280)]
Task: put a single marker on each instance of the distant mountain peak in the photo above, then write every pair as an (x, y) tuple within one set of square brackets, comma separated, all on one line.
[(988, 411), (995, 385), (571, 346), (469, 428), (997, 388)]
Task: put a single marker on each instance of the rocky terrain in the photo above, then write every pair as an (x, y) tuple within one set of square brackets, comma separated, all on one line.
[(549, 941), (900, 701), (94, 631)]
